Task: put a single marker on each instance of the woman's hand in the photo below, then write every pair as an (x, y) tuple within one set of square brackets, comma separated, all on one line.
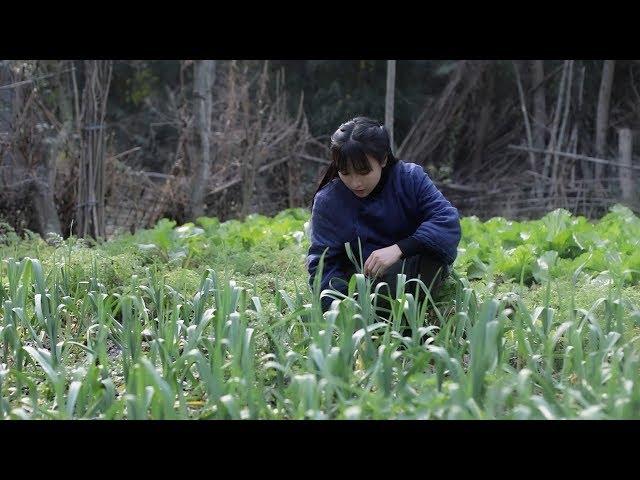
[(380, 260)]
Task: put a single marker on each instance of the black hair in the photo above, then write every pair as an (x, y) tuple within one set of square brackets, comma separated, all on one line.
[(351, 143)]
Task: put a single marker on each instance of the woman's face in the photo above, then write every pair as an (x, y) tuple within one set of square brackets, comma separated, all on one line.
[(363, 184)]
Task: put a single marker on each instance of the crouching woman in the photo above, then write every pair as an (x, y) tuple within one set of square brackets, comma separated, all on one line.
[(403, 222)]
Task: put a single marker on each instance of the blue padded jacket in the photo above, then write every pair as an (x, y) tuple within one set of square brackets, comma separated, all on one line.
[(405, 208)]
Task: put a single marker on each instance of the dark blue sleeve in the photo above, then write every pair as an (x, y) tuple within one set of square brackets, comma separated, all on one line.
[(324, 237), (439, 230)]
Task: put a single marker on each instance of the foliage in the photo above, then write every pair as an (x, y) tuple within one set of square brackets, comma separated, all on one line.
[(539, 320)]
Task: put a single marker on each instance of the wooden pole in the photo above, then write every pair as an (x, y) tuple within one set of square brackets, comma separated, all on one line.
[(602, 113), (389, 100), (625, 147), (204, 79)]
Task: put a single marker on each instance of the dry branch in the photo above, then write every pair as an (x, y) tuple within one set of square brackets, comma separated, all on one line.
[(577, 157)]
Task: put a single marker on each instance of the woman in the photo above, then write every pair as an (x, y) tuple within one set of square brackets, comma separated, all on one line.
[(392, 206)]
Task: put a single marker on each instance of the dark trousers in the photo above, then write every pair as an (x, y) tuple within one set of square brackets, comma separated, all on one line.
[(424, 266)]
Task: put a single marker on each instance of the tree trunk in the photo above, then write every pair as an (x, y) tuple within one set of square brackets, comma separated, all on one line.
[(46, 213), (204, 77), (539, 104), (6, 113), (390, 100), (602, 118), (483, 124)]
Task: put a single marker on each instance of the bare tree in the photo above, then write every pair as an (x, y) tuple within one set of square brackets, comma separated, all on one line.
[(433, 125), (33, 139), (259, 143)]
